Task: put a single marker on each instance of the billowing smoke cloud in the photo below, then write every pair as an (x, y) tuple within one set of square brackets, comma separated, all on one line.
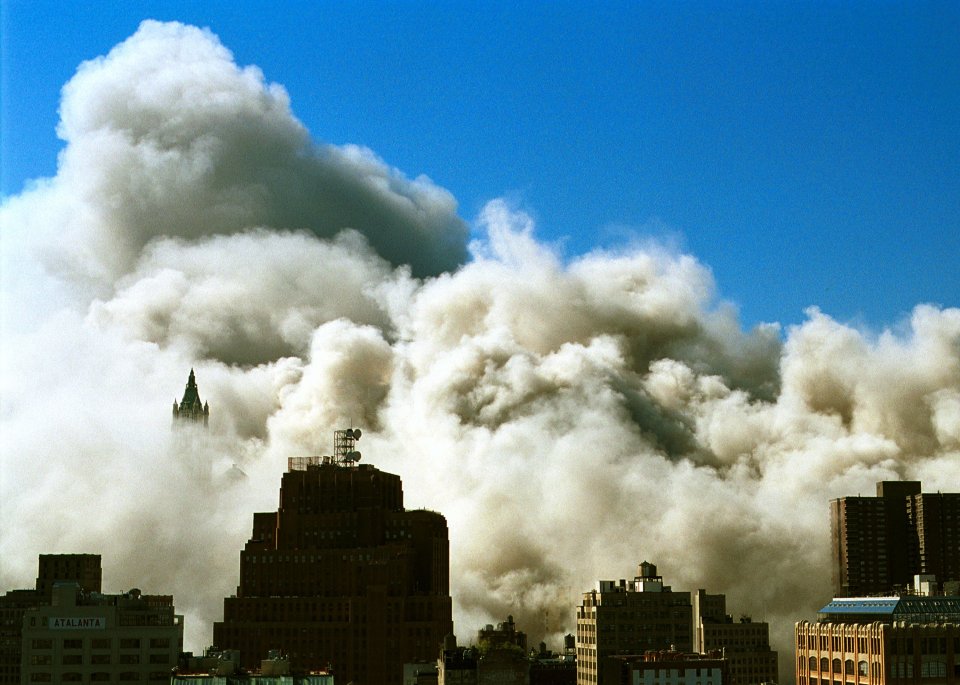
[(569, 419)]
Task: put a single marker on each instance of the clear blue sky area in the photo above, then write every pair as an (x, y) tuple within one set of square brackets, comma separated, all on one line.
[(809, 153)]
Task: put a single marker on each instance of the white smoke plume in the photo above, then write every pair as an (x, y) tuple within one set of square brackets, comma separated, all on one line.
[(569, 419)]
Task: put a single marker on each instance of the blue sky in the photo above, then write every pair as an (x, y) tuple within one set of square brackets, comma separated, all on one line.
[(808, 153)]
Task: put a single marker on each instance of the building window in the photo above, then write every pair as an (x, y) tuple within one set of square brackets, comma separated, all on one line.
[(824, 664), (129, 677), (100, 659), (129, 659), (41, 660), (100, 677), (73, 644), (862, 668), (100, 643), (159, 642), (72, 678), (41, 678), (72, 659), (159, 658), (42, 644), (129, 643), (848, 666)]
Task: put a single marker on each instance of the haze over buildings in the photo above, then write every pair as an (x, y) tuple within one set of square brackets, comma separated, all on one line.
[(564, 414)]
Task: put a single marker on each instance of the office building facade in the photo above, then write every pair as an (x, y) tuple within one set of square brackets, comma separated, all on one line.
[(341, 576), (90, 638), (629, 618), (83, 569), (908, 640), (745, 643)]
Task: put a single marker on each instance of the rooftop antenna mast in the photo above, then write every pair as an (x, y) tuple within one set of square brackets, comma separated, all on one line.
[(344, 446)]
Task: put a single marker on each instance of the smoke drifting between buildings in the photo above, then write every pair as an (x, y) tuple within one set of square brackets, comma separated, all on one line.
[(568, 418)]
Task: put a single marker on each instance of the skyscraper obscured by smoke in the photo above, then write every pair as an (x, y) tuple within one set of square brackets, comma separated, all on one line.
[(191, 410), (341, 575), (880, 543)]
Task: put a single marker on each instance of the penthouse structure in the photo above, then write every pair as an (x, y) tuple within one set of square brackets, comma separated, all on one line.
[(90, 637), (341, 576), (879, 543), (911, 639)]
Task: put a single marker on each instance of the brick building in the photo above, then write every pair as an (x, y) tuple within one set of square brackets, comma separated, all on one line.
[(341, 575), (907, 640), (879, 543)]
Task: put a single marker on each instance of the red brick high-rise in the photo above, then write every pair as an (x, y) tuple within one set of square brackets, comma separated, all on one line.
[(341, 575), (879, 543)]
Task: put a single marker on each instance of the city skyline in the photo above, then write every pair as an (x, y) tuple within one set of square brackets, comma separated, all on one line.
[(566, 413)]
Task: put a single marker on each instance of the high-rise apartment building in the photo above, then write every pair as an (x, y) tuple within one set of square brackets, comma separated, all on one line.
[(88, 637), (341, 575), (879, 543), (745, 643), (906, 640), (630, 617)]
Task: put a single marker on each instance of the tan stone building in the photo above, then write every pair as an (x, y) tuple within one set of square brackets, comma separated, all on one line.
[(92, 638), (881, 641), (83, 569), (630, 617), (745, 643)]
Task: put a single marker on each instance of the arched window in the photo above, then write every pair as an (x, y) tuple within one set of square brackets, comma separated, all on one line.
[(848, 666), (862, 668), (824, 664), (836, 665), (813, 663)]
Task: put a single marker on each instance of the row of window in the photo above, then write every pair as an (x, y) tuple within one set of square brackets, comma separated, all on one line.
[(841, 666), (100, 643), (101, 677), (76, 659)]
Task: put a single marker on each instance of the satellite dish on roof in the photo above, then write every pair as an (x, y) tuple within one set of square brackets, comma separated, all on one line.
[(354, 456), (356, 433)]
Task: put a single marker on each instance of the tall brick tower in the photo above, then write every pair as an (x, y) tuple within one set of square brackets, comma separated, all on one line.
[(341, 575)]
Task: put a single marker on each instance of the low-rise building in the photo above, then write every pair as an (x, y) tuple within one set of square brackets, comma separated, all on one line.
[(745, 644), (663, 667), (90, 637), (881, 641)]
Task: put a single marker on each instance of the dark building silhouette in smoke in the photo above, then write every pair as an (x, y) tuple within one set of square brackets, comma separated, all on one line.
[(82, 569), (341, 575), (191, 410), (880, 543)]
